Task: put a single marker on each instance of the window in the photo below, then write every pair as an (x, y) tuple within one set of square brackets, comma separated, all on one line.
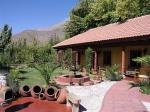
[(107, 58), (135, 54)]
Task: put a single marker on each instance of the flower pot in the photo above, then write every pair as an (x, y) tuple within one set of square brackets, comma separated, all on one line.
[(41, 96), (36, 90), (24, 91), (50, 93), (62, 96), (57, 93)]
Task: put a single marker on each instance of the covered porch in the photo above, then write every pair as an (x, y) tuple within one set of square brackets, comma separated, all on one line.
[(113, 52), (116, 43)]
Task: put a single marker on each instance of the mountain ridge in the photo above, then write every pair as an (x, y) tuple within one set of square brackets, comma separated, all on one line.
[(41, 35)]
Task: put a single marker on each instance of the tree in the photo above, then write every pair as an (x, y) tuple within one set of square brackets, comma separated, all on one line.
[(5, 40), (46, 70), (126, 9), (76, 24), (5, 37), (93, 13), (144, 7), (54, 39)]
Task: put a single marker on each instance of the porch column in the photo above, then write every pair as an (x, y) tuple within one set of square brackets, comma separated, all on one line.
[(123, 61), (95, 60), (77, 57)]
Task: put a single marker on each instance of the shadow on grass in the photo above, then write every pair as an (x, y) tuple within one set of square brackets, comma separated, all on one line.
[(18, 107)]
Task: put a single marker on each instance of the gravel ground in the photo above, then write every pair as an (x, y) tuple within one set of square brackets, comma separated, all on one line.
[(91, 96)]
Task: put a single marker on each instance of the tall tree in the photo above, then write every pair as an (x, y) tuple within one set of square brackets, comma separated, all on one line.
[(144, 7), (5, 40), (126, 9), (5, 37), (93, 13), (76, 24)]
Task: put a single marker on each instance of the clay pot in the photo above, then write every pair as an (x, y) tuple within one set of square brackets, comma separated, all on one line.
[(57, 93), (6, 93), (25, 91), (50, 93), (36, 90), (62, 96), (41, 96)]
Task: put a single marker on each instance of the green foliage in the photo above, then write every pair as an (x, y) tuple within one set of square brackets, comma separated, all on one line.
[(54, 39), (5, 40), (144, 7), (145, 89), (68, 58), (46, 70), (143, 84), (112, 73), (143, 60), (126, 9), (13, 80), (5, 37), (88, 59), (93, 13)]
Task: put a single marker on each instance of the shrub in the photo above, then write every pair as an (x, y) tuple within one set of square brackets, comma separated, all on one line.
[(112, 73), (13, 81), (88, 61)]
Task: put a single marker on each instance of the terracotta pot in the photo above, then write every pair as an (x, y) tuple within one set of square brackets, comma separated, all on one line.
[(62, 96), (57, 93), (41, 96), (36, 90), (24, 91), (6, 93), (50, 93)]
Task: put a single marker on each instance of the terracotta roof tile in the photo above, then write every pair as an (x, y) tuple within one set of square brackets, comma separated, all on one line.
[(131, 28)]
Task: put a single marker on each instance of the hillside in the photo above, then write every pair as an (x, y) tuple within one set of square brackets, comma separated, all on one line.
[(42, 35)]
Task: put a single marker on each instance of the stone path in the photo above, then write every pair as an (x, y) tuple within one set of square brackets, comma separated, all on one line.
[(91, 96), (122, 98)]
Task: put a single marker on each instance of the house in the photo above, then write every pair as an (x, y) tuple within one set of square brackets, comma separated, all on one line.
[(116, 43)]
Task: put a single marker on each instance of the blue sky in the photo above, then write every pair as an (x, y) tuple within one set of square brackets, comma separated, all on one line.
[(34, 14)]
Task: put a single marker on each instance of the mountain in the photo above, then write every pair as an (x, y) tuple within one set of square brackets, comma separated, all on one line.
[(42, 35)]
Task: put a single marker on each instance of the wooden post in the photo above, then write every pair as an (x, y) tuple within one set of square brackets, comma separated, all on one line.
[(95, 60), (77, 57), (123, 61)]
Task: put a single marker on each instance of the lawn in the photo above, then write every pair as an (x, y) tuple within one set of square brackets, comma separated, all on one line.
[(32, 77)]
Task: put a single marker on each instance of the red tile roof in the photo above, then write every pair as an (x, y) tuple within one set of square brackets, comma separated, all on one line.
[(139, 26)]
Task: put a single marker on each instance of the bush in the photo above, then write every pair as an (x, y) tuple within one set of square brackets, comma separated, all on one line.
[(13, 81), (112, 73), (88, 59), (143, 84)]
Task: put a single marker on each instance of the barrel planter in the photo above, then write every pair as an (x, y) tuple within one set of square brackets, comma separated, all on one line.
[(50, 93), (62, 96), (24, 91), (41, 96), (36, 90)]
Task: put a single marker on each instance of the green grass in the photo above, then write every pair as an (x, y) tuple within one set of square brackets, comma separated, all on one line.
[(31, 76)]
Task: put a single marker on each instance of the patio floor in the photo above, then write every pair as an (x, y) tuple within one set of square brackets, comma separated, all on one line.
[(29, 104), (122, 98)]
